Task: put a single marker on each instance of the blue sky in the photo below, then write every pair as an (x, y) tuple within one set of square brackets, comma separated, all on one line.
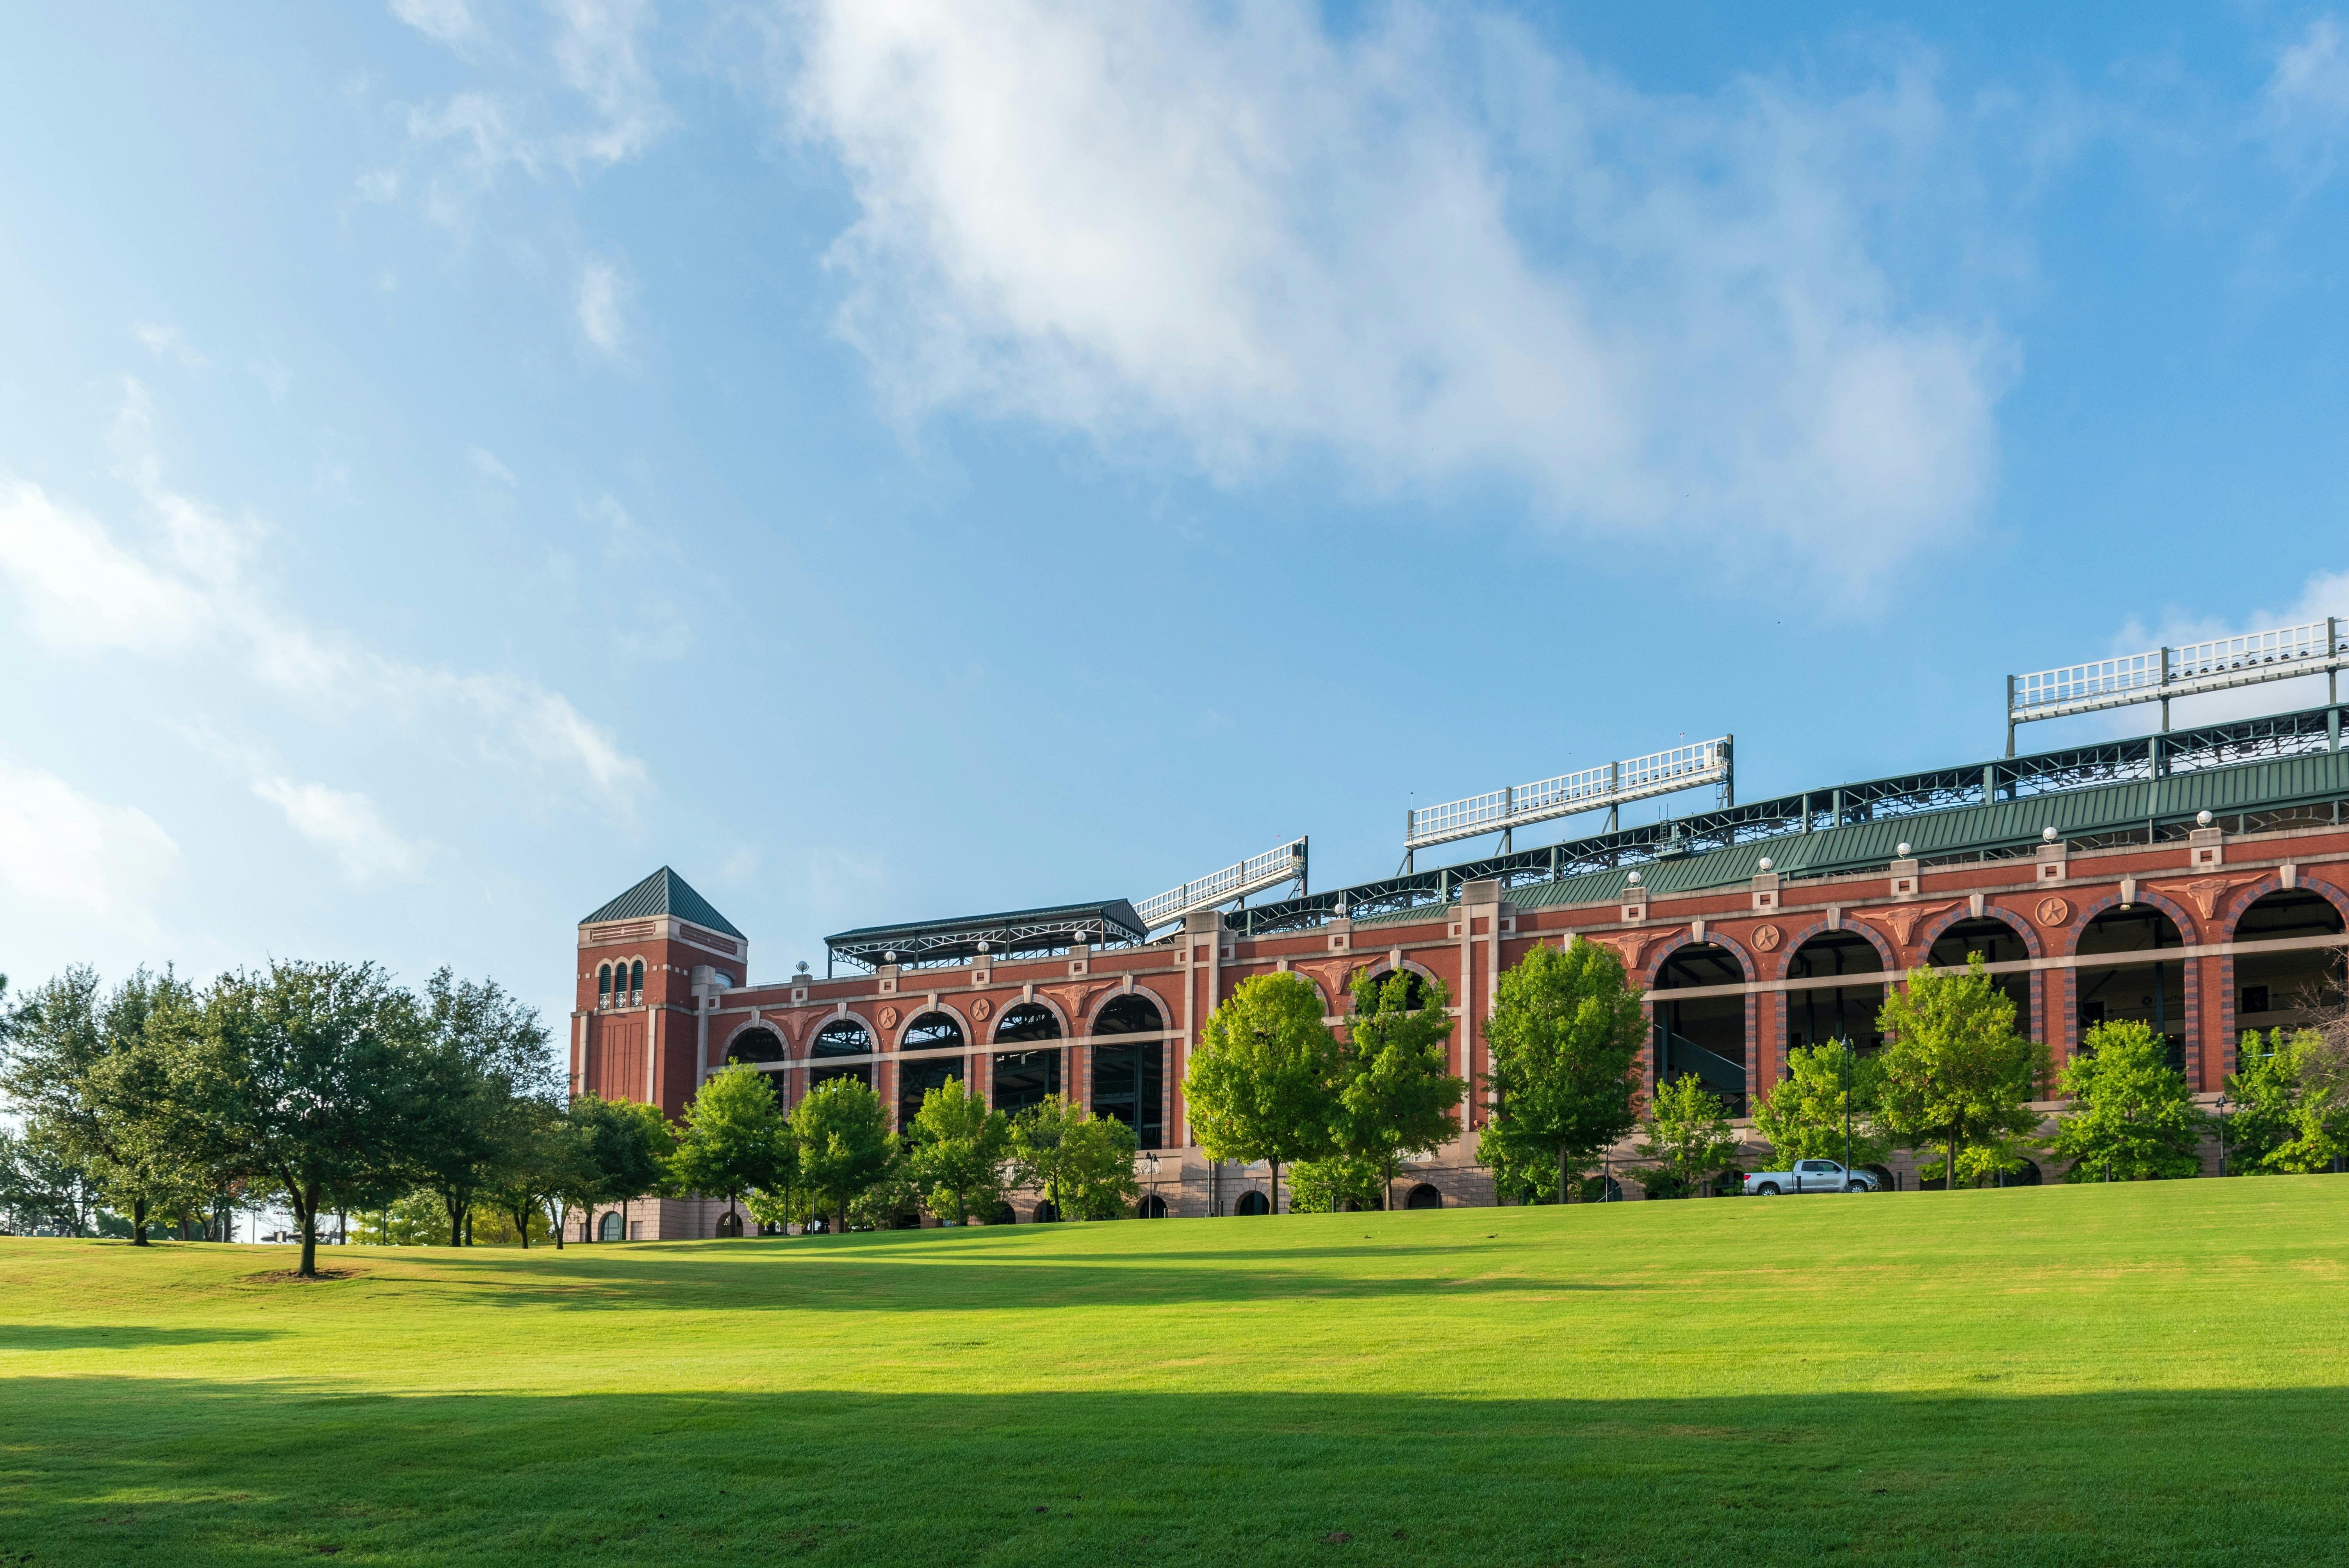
[(886, 460)]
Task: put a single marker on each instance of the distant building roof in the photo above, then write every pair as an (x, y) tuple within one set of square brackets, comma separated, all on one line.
[(664, 893), (1020, 931)]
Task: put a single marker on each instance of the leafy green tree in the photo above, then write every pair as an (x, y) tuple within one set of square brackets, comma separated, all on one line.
[(960, 1151), (1566, 1031), (1688, 1137), (413, 1219), (2132, 1114), (1039, 1136), (310, 1080), (734, 1139), (889, 1203), (1395, 1097), (547, 1157), (1263, 1083), (1327, 1186), (844, 1142), (38, 1191), (487, 1056), (1954, 1071), (1806, 1115), (2290, 1095), (1097, 1168), (631, 1144)]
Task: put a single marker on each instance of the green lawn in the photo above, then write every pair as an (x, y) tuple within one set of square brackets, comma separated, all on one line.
[(2111, 1375)]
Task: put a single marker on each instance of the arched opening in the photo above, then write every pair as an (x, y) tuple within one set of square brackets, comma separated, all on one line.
[(1414, 987), (2133, 989), (608, 1228), (1424, 1197), (1023, 1079), (1252, 1202), (918, 1075), (1703, 1035), (637, 980), (2028, 1176), (730, 1225), (757, 1046), (1047, 1213), (1152, 1207), (1128, 1080), (1816, 1013), (841, 1037), (602, 986), (2287, 989), (1995, 941), (1003, 1213)]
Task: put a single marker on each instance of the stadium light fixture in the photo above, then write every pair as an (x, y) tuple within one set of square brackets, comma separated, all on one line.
[(2190, 669), (1283, 862), (1903, 851), (2048, 834), (2202, 818), (1607, 787)]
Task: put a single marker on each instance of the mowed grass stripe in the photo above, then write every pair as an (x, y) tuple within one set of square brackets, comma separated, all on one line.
[(2125, 1374)]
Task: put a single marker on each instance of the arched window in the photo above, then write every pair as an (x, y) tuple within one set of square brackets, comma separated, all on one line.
[(1152, 1207), (1028, 1021), (1046, 1213), (604, 985), (1252, 1203), (730, 1224), (2122, 985), (1817, 1014), (1129, 1080), (1705, 1035), (1424, 1197), (609, 1230), (1997, 943), (637, 980), (759, 1045), (1414, 987), (841, 1037), (915, 1079), (2286, 988)]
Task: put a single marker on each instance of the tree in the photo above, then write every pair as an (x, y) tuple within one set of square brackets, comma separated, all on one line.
[(1327, 1186), (2292, 1104), (545, 1158), (310, 1080), (844, 1142), (1688, 1137), (960, 1150), (734, 1138), (1263, 1084), (1566, 1030), (487, 1055), (1954, 1071), (1039, 1135), (37, 1191), (2132, 1115), (1096, 1177), (628, 1146), (1807, 1112), (1395, 1095)]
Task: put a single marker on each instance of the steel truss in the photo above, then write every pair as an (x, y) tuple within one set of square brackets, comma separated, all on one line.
[(2311, 730), (1283, 862)]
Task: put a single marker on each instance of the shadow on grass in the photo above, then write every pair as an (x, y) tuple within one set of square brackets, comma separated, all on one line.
[(80, 1337), (108, 1469)]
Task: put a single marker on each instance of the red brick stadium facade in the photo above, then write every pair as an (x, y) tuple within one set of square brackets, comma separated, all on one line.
[(2200, 929)]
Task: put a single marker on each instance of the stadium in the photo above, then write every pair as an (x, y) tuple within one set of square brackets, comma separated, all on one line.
[(2195, 879)]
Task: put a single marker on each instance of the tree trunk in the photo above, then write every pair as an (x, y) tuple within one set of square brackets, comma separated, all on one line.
[(1274, 1207), (305, 1205), (455, 1219), (138, 1222), (469, 1224), (558, 1213), (1561, 1173)]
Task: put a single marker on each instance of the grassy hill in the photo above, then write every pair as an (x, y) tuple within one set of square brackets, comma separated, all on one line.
[(2124, 1374)]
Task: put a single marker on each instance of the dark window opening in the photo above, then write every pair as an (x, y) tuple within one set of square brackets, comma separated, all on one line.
[(2152, 994), (637, 980), (1023, 1079), (1028, 1021), (1994, 941), (917, 1079), (1424, 1197), (1128, 1084), (759, 1045), (841, 1037), (1414, 987), (2295, 986), (1817, 1013), (604, 985), (1152, 1207), (1128, 1014), (931, 1032), (1252, 1203), (1703, 1035)]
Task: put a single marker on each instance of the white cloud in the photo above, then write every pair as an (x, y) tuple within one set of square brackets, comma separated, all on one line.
[(2324, 593), (346, 823), (78, 589), (2305, 107), (83, 588), (486, 464), (1434, 249), (599, 50), (599, 306), (59, 848), (169, 343), (444, 21)]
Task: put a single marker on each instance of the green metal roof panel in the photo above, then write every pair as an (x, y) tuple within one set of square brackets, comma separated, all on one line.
[(665, 893)]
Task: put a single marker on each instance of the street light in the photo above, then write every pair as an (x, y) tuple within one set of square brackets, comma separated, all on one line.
[(1150, 1170), (2222, 1132)]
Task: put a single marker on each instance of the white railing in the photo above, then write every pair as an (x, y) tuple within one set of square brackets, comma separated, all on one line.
[(1283, 863), (1610, 784), (2313, 647)]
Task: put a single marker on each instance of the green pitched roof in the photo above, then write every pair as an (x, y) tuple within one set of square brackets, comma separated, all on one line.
[(664, 893)]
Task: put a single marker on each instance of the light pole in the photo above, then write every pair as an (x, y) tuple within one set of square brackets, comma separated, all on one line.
[(2222, 1132), (1150, 1172), (1846, 1115)]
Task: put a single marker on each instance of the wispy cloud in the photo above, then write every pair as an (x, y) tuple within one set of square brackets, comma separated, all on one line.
[(58, 848), (486, 464), (1436, 248), (447, 21), (346, 824), (2305, 107), (169, 343), (84, 588), (600, 290)]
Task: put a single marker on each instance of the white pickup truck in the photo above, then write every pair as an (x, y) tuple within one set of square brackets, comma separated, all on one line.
[(1811, 1176)]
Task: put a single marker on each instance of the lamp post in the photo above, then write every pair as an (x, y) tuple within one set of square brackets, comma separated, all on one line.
[(2222, 1132), (1150, 1172), (1846, 1115)]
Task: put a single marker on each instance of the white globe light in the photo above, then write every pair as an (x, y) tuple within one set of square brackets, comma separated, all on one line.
[(2202, 818), (2048, 834), (1904, 849), (1635, 879), (1764, 862)]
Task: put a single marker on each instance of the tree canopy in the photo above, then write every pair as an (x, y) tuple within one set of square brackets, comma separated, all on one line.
[(1263, 1083), (2133, 1116), (1396, 1096), (960, 1150), (1566, 1031), (1807, 1112), (1954, 1072), (734, 1139), (844, 1142)]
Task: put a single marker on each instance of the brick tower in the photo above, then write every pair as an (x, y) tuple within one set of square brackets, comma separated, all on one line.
[(641, 956)]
